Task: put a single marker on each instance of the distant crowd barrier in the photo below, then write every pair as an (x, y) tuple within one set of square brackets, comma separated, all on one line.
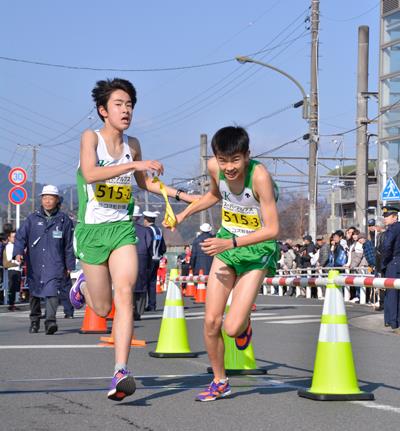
[(305, 279)]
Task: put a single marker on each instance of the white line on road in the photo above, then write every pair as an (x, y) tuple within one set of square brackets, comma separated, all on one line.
[(275, 316), (56, 346), (372, 405), (295, 322)]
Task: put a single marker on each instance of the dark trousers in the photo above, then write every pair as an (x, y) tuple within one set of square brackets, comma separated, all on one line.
[(151, 292), (14, 283), (392, 308), (140, 302), (36, 311), (63, 296)]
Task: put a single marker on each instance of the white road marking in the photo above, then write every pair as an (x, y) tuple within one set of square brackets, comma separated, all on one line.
[(294, 322), (372, 405), (275, 316), (55, 346)]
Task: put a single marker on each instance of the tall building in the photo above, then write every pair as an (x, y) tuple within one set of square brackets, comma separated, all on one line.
[(389, 94)]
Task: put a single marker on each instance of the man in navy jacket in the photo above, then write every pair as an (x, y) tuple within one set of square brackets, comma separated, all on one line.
[(391, 265), (46, 240), (199, 259)]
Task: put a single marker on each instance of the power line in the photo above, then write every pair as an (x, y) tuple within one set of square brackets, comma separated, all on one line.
[(110, 69)]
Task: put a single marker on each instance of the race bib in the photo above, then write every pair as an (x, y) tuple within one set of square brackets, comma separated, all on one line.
[(246, 221), (113, 194)]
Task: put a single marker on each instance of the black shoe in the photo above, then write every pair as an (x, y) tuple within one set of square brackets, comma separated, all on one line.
[(51, 328), (380, 308), (68, 316), (137, 317), (148, 308), (34, 328)]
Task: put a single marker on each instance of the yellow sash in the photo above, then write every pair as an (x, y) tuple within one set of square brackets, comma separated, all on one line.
[(169, 218)]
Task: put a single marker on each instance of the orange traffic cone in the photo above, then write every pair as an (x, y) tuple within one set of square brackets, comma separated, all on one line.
[(110, 340), (112, 312), (158, 286), (190, 286), (93, 324), (201, 290)]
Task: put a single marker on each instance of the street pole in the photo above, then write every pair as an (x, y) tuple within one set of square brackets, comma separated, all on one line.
[(203, 171), (313, 123), (34, 166), (362, 124)]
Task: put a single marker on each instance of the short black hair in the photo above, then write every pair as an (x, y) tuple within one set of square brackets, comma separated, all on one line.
[(230, 140), (103, 90), (7, 227)]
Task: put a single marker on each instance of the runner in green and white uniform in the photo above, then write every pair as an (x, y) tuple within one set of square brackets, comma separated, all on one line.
[(105, 209), (245, 248), (241, 215), (105, 236)]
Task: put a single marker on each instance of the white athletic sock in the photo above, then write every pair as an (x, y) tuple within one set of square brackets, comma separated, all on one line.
[(119, 367)]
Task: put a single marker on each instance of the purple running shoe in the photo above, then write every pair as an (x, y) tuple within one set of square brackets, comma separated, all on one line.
[(122, 385), (75, 294), (214, 391)]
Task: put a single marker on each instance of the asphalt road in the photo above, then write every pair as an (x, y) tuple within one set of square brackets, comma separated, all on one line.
[(59, 382)]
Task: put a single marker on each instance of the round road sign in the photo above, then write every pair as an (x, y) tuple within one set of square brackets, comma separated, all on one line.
[(17, 176), (17, 195), (390, 167)]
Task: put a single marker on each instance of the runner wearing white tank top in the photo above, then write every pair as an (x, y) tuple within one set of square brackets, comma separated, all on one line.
[(105, 236)]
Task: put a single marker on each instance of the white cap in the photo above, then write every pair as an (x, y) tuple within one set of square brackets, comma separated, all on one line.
[(150, 214), (206, 227), (50, 190), (136, 211)]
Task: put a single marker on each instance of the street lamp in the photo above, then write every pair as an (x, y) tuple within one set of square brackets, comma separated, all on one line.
[(244, 59)]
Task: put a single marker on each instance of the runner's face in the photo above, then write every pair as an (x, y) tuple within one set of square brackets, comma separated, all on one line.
[(233, 166), (119, 110)]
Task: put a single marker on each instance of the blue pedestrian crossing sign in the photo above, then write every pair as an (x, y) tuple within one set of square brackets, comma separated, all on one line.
[(391, 192)]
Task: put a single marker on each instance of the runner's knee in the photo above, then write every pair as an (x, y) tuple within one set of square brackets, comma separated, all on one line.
[(232, 328), (212, 325), (102, 310)]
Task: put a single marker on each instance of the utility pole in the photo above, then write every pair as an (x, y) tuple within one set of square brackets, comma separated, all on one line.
[(313, 123), (34, 166), (362, 124), (71, 199), (34, 170), (203, 171)]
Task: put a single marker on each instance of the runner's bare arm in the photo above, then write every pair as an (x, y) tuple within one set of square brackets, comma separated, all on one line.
[(209, 199), (144, 181), (264, 191)]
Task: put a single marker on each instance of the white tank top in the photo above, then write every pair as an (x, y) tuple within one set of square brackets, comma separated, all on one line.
[(241, 213), (109, 200)]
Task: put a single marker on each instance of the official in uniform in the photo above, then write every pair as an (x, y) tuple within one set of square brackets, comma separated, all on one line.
[(157, 251), (391, 265), (46, 240), (198, 259), (144, 250)]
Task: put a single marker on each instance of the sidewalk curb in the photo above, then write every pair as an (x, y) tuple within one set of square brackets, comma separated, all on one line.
[(372, 322)]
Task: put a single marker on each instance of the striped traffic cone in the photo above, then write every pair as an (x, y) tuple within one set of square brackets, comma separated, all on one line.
[(173, 338), (238, 362), (201, 290), (190, 286), (334, 377)]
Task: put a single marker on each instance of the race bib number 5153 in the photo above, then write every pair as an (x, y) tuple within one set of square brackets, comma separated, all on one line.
[(247, 221), (113, 193)]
